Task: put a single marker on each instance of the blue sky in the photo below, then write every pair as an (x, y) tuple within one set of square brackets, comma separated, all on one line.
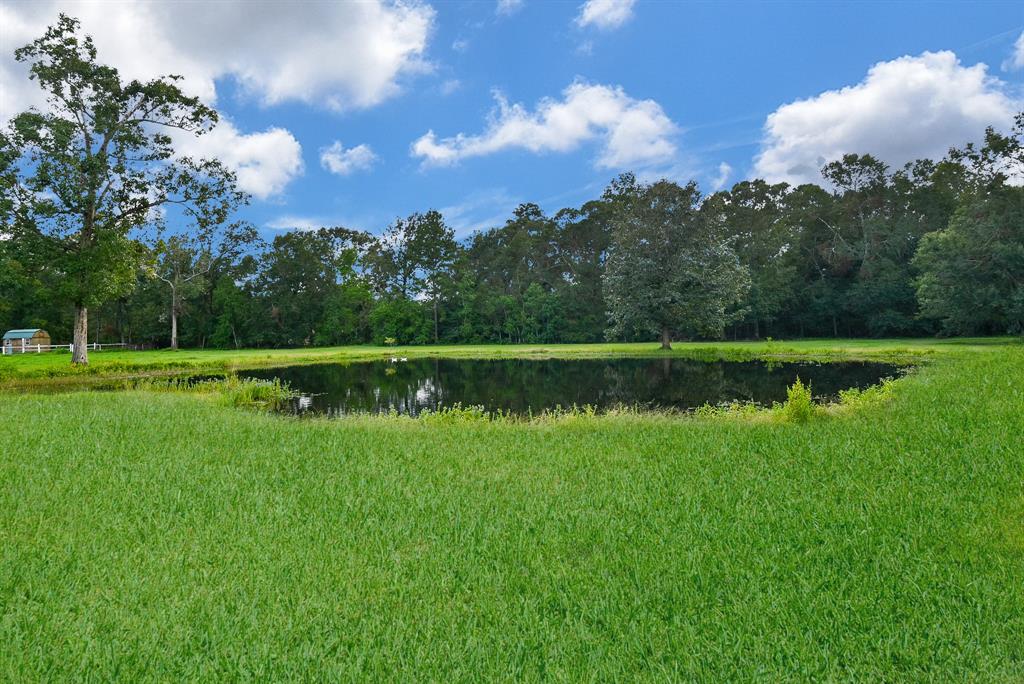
[(683, 90)]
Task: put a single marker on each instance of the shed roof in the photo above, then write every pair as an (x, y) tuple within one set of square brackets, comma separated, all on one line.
[(26, 334)]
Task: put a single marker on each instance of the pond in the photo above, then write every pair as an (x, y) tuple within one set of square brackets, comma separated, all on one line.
[(522, 386)]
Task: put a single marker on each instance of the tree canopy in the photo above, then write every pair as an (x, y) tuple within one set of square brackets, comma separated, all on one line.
[(97, 163), (672, 270)]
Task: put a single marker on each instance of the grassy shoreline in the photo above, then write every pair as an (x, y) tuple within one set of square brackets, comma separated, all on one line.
[(55, 368), (152, 536)]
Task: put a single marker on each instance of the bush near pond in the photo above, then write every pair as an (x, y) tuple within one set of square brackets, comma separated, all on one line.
[(799, 406)]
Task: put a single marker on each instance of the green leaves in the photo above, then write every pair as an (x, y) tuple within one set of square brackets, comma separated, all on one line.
[(972, 274), (98, 164), (671, 270)]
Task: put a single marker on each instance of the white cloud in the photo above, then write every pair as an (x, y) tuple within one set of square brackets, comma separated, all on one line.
[(719, 181), (460, 45), (450, 86), (17, 92), (905, 109), (336, 54), (337, 159), (479, 211), (291, 222), (605, 14), (632, 132), (1016, 59), (507, 7), (265, 162)]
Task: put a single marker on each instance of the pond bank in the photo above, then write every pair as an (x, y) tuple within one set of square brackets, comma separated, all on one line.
[(23, 370)]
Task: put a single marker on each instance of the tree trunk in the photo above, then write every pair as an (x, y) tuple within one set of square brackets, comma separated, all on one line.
[(80, 340), (666, 339), (174, 327), (435, 320), (174, 316)]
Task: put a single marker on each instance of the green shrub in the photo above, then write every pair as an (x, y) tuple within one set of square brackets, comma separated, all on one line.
[(861, 398), (732, 409), (799, 406), (457, 414), (229, 391), (252, 393)]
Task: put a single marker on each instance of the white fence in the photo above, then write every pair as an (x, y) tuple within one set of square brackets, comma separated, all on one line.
[(12, 347)]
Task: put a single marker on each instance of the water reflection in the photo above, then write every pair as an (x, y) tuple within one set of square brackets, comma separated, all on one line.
[(531, 386)]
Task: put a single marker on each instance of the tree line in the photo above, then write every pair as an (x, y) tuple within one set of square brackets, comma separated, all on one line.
[(100, 215)]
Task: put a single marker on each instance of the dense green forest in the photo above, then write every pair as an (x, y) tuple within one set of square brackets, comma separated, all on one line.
[(929, 248), (935, 247)]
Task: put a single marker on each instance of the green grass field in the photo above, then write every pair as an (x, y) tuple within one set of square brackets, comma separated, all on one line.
[(159, 536), (30, 368)]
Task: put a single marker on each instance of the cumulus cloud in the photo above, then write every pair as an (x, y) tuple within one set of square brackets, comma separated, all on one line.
[(631, 132), (507, 7), (343, 162), (605, 14), (265, 162), (719, 181), (17, 92), (335, 54), (1016, 59), (904, 109)]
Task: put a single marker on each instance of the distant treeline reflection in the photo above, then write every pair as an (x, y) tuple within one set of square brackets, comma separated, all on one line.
[(531, 386)]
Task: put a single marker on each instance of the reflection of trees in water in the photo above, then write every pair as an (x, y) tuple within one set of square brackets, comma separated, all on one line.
[(523, 385), (661, 383)]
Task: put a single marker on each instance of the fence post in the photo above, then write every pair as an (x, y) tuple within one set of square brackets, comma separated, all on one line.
[(38, 348)]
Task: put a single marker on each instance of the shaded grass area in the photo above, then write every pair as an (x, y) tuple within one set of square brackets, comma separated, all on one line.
[(157, 536), (56, 367)]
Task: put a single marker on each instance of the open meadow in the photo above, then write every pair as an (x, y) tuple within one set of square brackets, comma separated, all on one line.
[(162, 536), (28, 368)]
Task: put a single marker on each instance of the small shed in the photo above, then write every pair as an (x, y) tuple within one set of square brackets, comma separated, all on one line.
[(29, 339)]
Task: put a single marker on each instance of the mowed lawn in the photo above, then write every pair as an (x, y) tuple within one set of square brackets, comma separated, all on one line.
[(19, 368), (148, 536)]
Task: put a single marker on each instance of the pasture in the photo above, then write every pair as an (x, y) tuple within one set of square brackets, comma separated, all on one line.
[(157, 535)]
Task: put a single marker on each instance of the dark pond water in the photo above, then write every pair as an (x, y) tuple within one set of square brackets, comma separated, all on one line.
[(531, 386)]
